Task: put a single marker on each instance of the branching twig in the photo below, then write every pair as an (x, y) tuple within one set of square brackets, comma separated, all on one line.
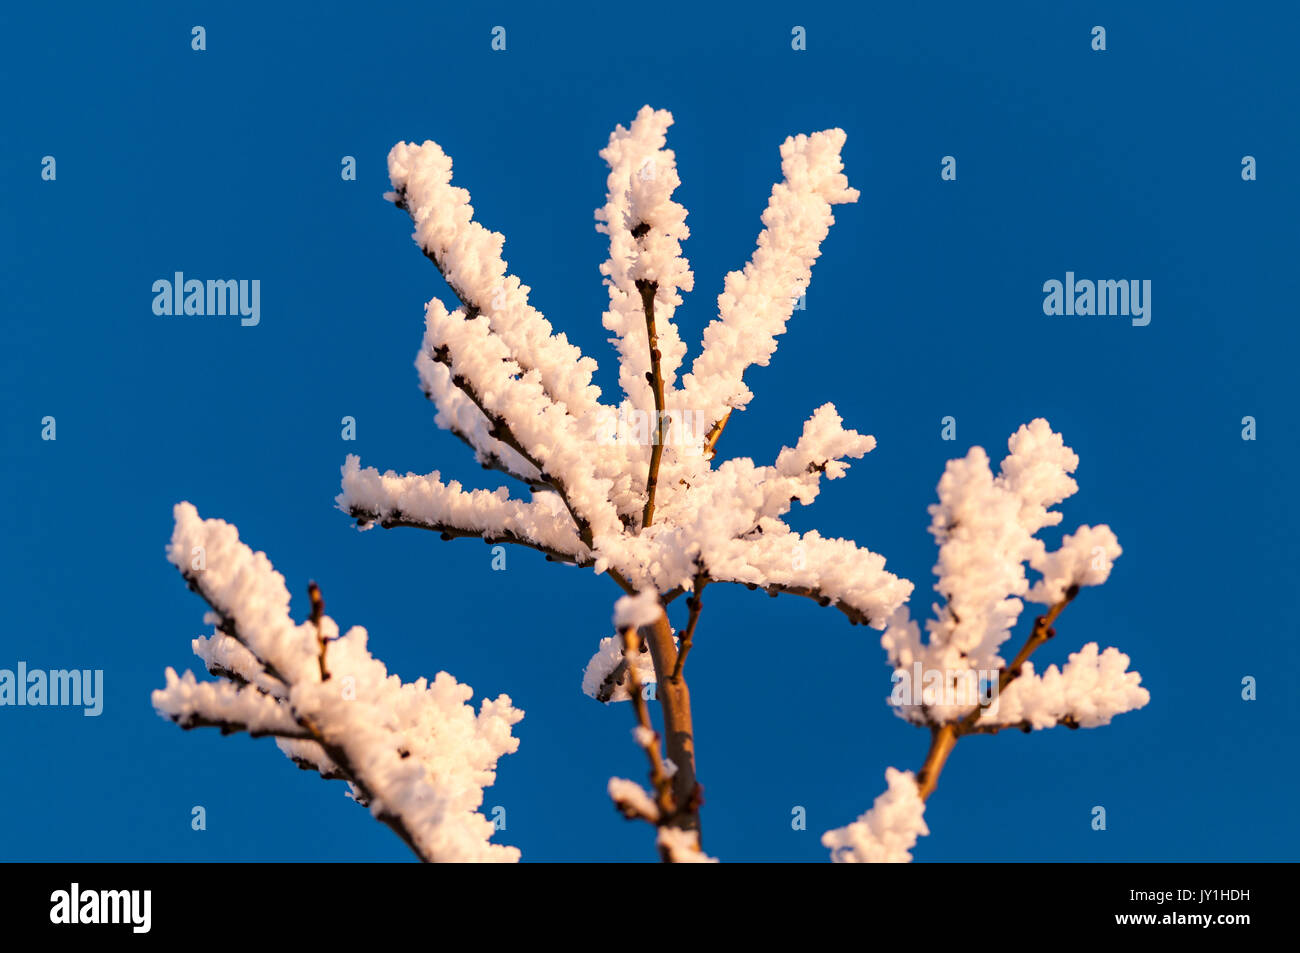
[(647, 737), (492, 460), (678, 795), (336, 753), (675, 699), (500, 430), (694, 604), (944, 737)]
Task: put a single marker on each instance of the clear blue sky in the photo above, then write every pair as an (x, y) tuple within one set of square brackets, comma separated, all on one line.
[(927, 302)]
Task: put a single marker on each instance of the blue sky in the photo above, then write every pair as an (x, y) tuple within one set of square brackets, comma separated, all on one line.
[(926, 302)]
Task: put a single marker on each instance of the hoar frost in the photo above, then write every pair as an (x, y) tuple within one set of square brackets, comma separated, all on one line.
[(633, 488)]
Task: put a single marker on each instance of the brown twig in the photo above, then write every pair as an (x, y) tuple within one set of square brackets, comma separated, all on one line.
[(500, 430), (659, 777), (317, 614), (944, 737), (855, 615), (711, 441), (654, 377), (396, 518), (491, 460), (336, 753), (675, 699), (193, 720), (694, 604), (678, 795)]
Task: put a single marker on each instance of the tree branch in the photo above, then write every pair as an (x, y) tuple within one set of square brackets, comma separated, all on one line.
[(492, 460), (656, 381), (194, 720), (715, 432), (501, 431), (648, 737), (317, 613), (855, 615), (336, 753), (449, 532), (694, 604), (944, 737), (675, 700)]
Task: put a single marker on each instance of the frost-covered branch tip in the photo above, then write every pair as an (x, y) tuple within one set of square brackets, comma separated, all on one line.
[(636, 479), (415, 753), (631, 489), (955, 682)]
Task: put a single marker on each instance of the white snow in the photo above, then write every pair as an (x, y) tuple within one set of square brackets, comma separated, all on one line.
[(419, 751), (887, 833)]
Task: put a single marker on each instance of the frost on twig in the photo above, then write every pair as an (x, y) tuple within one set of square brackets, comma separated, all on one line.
[(956, 681), (634, 488), (887, 833), (521, 395), (630, 488), (987, 527), (415, 753)]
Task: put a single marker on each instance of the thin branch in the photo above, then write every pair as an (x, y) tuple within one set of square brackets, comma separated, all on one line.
[(318, 613), (611, 681), (855, 615), (654, 377), (471, 309), (194, 720), (675, 699), (491, 461), (694, 604), (500, 430), (711, 441), (944, 737), (649, 738), (336, 753), (448, 532), (1069, 721)]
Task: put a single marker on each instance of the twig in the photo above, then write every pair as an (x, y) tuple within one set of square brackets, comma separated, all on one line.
[(855, 615), (675, 699), (711, 441), (336, 753), (317, 613), (944, 737), (654, 377), (694, 604), (648, 738), (500, 430), (396, 518)]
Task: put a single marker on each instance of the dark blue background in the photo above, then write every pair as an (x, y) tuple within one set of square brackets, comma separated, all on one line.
[(926, 302)]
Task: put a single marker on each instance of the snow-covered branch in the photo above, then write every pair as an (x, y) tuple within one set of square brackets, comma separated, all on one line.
[(955, 682), (887, 833), (633, 490), (756, 302), (415, 753)]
